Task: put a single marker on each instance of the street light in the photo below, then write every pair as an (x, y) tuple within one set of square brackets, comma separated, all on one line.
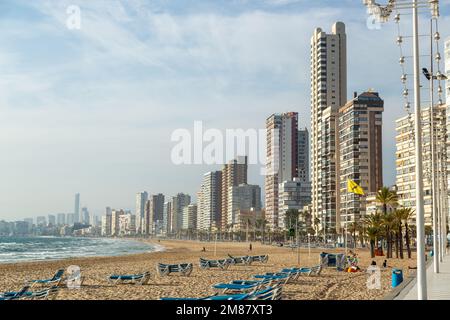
[(383, 13)]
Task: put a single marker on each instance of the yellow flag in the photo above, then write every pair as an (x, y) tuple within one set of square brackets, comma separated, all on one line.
[(353, 187)]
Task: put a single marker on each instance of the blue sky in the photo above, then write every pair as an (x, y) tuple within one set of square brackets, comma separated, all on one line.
[(92, 110)]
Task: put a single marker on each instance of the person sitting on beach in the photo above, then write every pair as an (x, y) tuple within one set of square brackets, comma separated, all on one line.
[(385, 264), (204, 249), (374, 263)]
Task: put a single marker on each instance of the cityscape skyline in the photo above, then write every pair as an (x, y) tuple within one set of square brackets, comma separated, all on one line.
[(123, 175)]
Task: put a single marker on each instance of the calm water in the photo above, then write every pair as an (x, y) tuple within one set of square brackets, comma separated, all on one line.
[(17, 249)]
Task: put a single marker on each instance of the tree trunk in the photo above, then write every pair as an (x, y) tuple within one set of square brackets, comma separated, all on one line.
[(408, 248), (400, 241), (372, 248), (396, 245)]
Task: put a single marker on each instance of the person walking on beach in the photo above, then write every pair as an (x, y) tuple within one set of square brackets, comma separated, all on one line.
[(250, 247)]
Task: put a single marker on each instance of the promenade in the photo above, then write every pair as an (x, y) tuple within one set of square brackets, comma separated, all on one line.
[(438, 285)]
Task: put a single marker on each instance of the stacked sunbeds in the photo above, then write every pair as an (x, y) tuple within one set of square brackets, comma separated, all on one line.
[(231, 260), (184, 269)]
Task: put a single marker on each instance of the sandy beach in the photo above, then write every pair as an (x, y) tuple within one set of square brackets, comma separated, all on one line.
[(330, 285)]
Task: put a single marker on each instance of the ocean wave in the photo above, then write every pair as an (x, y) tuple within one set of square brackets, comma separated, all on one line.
[(48, 248)]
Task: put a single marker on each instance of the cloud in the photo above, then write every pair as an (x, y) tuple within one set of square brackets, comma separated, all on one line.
[(92, 110)]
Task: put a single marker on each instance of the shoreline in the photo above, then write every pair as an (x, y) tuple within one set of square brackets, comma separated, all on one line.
[(156, 248)]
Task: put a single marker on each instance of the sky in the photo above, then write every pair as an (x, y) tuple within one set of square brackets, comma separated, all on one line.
[(92, 110)]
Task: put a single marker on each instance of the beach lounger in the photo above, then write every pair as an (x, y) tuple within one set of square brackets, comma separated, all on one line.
[(245, 260), (262, 258), (46, 294), (54, 281), (280, 278), (14, 295), (216, 297), (165, 269), (273, 293), (238, 288), (290, 276), (206, 264), (133, 279)]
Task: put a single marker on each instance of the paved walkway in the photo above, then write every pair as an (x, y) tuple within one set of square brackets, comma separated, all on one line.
[(438, 285)]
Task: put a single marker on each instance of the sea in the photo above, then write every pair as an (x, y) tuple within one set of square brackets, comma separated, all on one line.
[(22, 249)]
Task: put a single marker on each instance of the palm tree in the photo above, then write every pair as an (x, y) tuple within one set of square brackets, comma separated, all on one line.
[(407, 216), (403, 215), (388, 224), (372, 233), (387, 198), (374, 225)]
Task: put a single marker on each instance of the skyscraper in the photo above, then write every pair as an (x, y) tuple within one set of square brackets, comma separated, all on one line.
[(303, 155), (282, 159), (85, 219), (180, 201), (234, 173), (154, 210), (293, 195), (242, 198), (115, 221), (405, 155), (167, 218), (141, 200), (77, 208), (190, 217), (328, 93), (360, 153), (209, 212), (106, 224)]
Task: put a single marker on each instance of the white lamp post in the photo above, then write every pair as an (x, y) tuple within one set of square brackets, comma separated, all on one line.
[(309, 245), (383, 13)]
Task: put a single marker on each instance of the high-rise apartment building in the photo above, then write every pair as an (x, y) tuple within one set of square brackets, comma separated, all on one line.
[(360, 153), (154, 213), (303, 155), (127, 224), (115, 221), (209, 201), (167, 218), (405, 155), (85, 218), (141, 200), (293, 195), (281, 161), (234, 173), (106, 224), (190, 217), (328, 94), (77, 209), (180, 201), (242, 198)]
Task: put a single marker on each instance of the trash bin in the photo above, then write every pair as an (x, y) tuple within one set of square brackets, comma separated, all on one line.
[(397, 277)]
